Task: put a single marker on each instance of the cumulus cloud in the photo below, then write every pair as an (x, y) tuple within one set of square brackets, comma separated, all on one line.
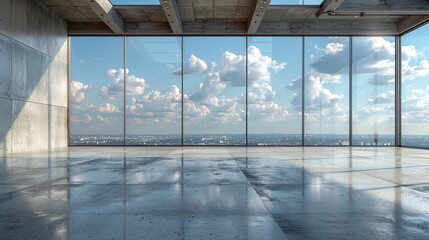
[(194, 112), (260, 91), (316, 94), (194, 65), (108, 108), (334, 48), (208, 100), (83, 107), (410, 71), (268, 112), (233, 69), (208, 89), (414, 64), (135, 85), (408, 52), (87, 118), (383, 98), (260, 66), (156, 105), (381, 80), (380, 67), (334, 58), (373, 110), (417, 100), (77, 91), (103, 120), (415, 110), (229, 111)]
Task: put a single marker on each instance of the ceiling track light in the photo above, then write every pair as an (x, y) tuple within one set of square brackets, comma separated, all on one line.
[(352, 14), (364, 14)]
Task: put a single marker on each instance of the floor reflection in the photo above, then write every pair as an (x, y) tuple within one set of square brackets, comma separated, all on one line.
[(215, 193)]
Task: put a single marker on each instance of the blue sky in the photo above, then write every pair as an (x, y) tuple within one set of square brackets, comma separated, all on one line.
[(214, 84), (415, 85)]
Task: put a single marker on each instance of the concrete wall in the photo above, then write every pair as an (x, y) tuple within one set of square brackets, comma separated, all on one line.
[(33, 77)]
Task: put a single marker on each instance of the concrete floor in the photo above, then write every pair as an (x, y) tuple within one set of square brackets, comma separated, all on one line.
[(216, 193)]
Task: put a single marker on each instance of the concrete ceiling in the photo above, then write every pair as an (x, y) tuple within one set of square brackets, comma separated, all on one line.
[(339, 17)]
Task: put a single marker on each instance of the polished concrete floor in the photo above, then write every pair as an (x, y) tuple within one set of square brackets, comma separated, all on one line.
[(216, 193)]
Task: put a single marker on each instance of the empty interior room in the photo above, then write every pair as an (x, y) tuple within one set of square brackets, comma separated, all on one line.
[(214, 119)]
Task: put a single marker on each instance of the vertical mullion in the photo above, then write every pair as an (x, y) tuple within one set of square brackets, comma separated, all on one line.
[(247, 89), (125, 89), (350, 91), (398, 92), (303, 91), (68, 88), (183, 92)]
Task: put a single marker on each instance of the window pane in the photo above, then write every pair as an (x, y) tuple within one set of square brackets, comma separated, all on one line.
[(214, 90), (415, 88), (97, 91), (373, 68), (154, 98), (274, 86), (326, 91)]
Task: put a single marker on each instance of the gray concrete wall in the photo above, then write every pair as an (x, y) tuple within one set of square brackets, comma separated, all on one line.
[(33, 77)]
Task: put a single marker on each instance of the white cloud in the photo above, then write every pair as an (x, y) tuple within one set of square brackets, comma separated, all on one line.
[(417, 101), (233, 69), (268, 111), (157, 106), (108, 108), (316, 95), (77, 91), (194, 65), (103, 120), (408, 52), (87, 118), (415, 111), (334, 48), (330, 78), (260, 91), (193, 112), (83, 107), (373, 110), (335, 59), (211, 87), (411, 72), (135, 85), (229, 111), (207, 100), (169, 66), (260, 66), (383, 98)]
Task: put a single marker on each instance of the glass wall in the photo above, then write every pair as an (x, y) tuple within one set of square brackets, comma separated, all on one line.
[(153, 91), (326, 91), (97, 91), (415, 88), (214, 78), (373, 68), (274, 86), (235, 90)]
